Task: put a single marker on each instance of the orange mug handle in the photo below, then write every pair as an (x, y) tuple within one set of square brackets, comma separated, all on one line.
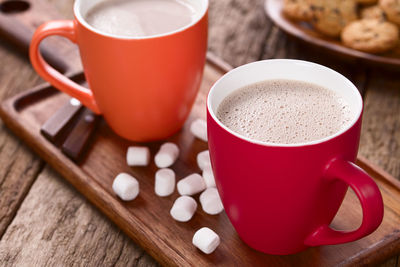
[(65, 28)]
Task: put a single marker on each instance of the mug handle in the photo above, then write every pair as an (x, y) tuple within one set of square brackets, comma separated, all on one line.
[(65, 28), (370, 198)]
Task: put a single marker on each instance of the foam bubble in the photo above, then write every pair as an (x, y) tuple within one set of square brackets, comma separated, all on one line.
[(285, 112)]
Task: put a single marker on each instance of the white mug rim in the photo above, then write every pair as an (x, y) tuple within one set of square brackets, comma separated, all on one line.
[(285, 61), (82, 21)]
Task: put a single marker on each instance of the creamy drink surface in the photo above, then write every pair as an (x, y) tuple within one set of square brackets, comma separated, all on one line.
[(139, 18), (285, 112)]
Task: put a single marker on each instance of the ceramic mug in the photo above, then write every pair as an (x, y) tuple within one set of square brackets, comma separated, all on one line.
[(281, 198), (143, 86)]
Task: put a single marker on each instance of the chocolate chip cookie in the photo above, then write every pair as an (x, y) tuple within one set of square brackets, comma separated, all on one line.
[(330, 17), (392, 10), (297, 9), (373, 12), (371, 35)]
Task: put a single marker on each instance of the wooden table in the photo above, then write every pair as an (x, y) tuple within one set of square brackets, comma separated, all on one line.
[(44, 221)]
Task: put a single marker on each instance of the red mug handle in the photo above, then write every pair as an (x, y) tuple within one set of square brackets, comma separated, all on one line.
[(65, 28), (370, 198)]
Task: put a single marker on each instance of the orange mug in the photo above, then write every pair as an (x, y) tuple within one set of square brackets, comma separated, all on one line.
[(143, 86)]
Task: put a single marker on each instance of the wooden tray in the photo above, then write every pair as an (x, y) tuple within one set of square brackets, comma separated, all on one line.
[(146, 219), (304, 32)]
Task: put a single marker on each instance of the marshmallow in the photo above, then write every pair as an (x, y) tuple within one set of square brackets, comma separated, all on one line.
[(208, 176), (183, 208), (167, 155), (165, 182), (125, 186), (199, 129), (211, 202), (138, 156), (206, 240), (203, 159), (191, 184)]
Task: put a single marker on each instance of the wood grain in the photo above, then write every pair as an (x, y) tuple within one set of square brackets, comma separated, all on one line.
[(56, 226), (389, 263), (233, 45), (380, 138), (217, 11), (146, 219), (18, 34), (18, 29), (19, 166), (238, 30)]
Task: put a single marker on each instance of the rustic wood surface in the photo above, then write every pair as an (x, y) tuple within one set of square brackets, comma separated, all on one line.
[(139, 219), (58, 227), (37, 219)]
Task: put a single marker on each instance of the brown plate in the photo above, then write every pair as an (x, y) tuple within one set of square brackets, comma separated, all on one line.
[(147, 220), (304, 32)]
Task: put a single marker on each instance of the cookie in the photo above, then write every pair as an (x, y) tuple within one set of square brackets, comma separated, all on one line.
[(372, 12), (392, 10), (330, 17), (297, 9), (367, 2), (371, 35)]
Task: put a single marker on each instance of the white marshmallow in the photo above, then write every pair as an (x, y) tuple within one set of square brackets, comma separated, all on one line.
[(206, 240), (199, 129), (183, 209), (138, 156), (208, 176), (203, 159), (165, 182), (167, 155), (125, 186), (191, 184), (211, 202)]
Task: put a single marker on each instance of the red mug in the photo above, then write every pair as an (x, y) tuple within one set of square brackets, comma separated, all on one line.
[(143, 86), (281, 198)]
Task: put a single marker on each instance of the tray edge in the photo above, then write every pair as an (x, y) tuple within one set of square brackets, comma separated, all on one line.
[(99, 203)]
